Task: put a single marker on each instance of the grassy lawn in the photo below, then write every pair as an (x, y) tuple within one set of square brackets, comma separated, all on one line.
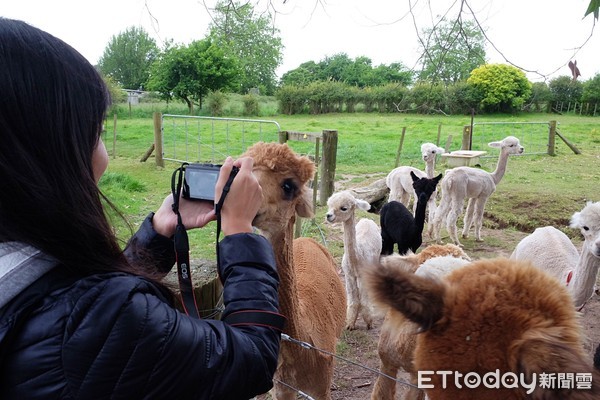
[(537, 190)]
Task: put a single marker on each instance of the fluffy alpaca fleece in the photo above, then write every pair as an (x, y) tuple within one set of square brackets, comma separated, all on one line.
[(398, 335), (552, 251), (400, 183), (398, 226), (476, 185), (491, 315), (311, 294), (362, 247)]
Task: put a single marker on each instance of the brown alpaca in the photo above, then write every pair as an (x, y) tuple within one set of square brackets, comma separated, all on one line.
[(397, 339), (491, 316), (311, 294)]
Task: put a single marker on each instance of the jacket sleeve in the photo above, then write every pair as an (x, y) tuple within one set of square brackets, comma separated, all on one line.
[(150, 350), (149, 248)]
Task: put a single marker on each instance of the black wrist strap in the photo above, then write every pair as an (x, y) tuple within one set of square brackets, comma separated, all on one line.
[(218, 207), (182, 250)]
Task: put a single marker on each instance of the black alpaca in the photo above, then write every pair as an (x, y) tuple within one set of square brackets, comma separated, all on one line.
[(398, 224)]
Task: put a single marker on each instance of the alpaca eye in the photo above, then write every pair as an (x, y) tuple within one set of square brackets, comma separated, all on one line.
[(344, 208), (289, 189), (585, 228)]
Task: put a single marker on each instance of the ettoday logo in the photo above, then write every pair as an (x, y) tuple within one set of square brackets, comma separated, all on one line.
[(506, 380)]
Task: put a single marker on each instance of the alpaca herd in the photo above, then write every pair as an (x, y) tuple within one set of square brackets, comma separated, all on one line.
[(439, 310)]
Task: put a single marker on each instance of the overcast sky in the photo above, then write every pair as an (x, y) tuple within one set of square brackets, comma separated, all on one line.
[(536, 35)]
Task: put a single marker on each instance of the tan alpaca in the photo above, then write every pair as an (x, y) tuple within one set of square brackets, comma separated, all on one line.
[(491, 316), (311, 294), (552, 251), (474, 184), (397, 339)]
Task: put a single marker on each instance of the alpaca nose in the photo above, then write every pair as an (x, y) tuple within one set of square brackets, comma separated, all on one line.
[(330, 217)]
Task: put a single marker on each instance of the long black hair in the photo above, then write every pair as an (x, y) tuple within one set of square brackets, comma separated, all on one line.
[(52, 106)]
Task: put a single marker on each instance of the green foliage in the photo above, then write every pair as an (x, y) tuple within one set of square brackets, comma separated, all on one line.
[(541, 96), (462, 98), (451, 51), (428, 98), (292, 99), (251, 38), (591, 90), (190, 73), (251, 105), (128, 56), (120, 181), (565, 89), (503, 88), (216, 103), (339, 67)]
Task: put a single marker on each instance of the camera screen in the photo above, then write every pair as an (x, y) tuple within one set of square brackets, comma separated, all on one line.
[(201, 182)]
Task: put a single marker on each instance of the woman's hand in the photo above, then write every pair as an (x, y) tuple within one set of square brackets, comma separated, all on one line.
[(244, 197), (194, 214)]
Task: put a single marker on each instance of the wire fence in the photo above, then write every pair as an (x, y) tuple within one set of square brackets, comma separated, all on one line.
[(212, 139), (533, 136)]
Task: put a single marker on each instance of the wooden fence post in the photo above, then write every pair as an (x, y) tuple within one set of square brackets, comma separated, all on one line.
[(466, 138), (328, 162), (158, 139), (400, 147), (114, 136), (551, 137)]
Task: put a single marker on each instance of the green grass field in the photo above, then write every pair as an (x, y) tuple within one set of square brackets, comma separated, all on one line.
[(537, 190)]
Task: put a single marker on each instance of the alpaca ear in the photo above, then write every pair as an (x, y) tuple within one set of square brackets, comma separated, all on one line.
[(420, 299), (413, 176), (438, 178), (545, 352), (363, 205), (304, 207), (576, 220), (440, 150), (495, 144)]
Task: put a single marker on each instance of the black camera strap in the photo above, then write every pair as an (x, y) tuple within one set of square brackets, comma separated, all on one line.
[(182, 247), (182, 250)]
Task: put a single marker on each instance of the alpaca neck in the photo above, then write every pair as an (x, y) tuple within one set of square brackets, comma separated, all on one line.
[(500, 168), (420, 213), (430, 168), (283, 248), (584, 277), (350, 240)]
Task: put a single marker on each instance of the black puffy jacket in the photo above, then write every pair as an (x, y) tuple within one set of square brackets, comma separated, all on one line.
[(116, 335)]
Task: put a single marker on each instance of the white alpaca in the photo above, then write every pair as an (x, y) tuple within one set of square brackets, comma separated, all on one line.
[(401, 184), (362, 247), (474, 184), (551, 250)]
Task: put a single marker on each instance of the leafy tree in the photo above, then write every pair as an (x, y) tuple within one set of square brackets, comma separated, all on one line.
[(190, 73), (451, 51), (591, 90), (540, 95), (565, 89), (393, 73), (503, 88), (253, 40), (128, 56)]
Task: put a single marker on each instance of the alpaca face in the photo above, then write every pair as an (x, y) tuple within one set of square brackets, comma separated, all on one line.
[(341, 207), (429, 151), (588, 222), (282, 175), (509, 145), (425, 186)]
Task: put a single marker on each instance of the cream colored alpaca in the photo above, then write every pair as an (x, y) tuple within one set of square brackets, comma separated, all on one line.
[(552, 251), (401, 184), (473, 184), (398, 335), (311, 294), (362, 247)]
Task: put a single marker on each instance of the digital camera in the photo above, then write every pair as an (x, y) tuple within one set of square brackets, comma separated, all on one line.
[(199, 181)]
